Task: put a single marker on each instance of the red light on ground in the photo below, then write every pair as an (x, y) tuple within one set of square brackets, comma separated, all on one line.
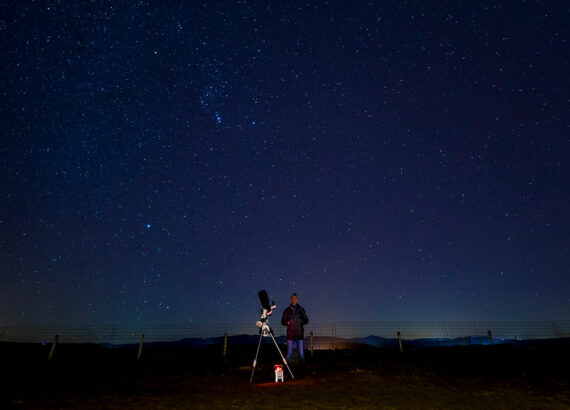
[(297, 382)]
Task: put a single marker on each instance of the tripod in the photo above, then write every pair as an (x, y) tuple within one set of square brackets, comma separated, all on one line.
[(264, 331)]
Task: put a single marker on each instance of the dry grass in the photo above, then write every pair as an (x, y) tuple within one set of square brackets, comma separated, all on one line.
[(479, 378)]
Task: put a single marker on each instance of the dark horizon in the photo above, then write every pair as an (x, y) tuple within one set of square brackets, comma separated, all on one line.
[(392, 161)]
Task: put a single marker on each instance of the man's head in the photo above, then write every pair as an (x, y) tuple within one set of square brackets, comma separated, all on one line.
[(294, 299)]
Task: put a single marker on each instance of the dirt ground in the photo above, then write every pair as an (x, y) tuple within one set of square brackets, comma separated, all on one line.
[(468, 377)]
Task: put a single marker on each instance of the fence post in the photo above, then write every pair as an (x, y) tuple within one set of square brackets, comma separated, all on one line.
[(113, 335), (490, 334), (140, 347), (225, 344), (53, 347), (556, 329), (312, 351), (400, 342)]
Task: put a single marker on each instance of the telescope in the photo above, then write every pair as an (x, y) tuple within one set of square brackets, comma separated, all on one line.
[(265, 330), (266, 310), (264, 299)]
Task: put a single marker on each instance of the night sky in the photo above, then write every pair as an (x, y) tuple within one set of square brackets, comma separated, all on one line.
[(395, 160)]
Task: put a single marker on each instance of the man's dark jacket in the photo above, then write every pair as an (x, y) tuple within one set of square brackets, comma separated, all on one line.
[(295, 317)]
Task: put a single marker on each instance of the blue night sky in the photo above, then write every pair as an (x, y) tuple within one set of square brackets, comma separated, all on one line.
[(161, 162)]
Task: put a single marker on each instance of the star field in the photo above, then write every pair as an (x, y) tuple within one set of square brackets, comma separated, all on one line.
[(162, 162)]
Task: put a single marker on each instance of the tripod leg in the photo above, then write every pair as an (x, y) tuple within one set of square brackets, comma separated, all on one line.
[(255, 358), (281, 354)]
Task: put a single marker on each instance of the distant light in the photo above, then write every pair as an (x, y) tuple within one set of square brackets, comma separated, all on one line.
[(148, 226), (253, 123)]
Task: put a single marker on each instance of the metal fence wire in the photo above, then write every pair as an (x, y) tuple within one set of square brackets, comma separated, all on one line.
[(333, 335)]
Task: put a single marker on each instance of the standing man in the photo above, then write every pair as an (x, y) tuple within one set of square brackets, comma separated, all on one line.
[(295, 317)]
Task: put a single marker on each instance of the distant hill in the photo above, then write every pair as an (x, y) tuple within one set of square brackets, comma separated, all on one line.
[(329, 342)]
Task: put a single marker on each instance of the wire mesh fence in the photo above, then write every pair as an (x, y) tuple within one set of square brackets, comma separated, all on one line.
[(348, 334), (120, 335), (333, 335)]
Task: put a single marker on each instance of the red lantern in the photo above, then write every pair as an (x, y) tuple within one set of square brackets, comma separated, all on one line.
[(278, 368)]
